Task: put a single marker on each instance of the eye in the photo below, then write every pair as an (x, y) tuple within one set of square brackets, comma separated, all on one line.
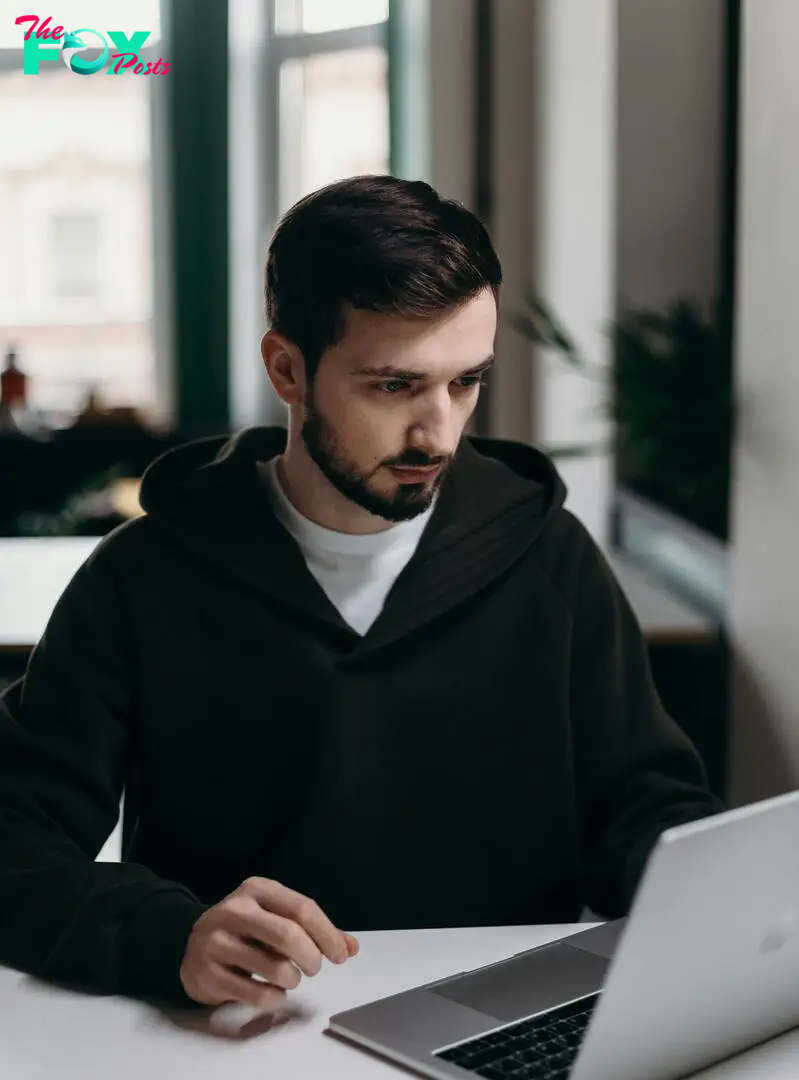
[(393, 386), (468, 382)]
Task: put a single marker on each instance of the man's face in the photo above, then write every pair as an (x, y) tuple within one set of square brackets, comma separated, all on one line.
[(388, 405)]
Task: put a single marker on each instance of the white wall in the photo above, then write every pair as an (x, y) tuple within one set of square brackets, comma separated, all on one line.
[(765, 580), (670, 138), (575, 85)]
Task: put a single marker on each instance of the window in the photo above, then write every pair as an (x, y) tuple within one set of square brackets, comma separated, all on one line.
[(319, 16), (76, 264), (75, 254), (316, 145), (332, 91)]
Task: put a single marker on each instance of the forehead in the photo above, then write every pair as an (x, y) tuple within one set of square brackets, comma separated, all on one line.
[(460, 338)]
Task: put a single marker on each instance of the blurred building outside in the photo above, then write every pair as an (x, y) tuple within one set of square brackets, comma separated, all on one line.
[(76, 201)]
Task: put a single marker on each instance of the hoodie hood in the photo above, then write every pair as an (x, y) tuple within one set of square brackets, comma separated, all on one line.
[(487, 478), (495, 501)]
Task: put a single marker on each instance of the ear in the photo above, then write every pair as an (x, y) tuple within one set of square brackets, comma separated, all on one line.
[(284, 366)]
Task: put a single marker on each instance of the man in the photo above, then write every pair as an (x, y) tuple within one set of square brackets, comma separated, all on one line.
[(369, 668)]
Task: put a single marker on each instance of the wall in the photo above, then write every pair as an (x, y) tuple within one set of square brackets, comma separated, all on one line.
[(764, 615), (512, 225), (574, 58), (670, 132), (450, 78), (450, 81)]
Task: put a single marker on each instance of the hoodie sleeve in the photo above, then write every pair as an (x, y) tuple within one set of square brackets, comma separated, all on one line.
[(66, 731), (637, 772)]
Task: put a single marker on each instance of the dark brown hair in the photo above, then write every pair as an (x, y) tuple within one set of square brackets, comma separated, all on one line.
[(377, 243)]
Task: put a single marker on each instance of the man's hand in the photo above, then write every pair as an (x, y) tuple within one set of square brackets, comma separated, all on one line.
[(265, 930)]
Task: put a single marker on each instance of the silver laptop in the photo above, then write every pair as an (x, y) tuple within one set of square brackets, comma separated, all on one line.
[(706, 965)]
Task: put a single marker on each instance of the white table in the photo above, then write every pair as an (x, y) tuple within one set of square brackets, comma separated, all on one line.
[(34, 573), (48, 1033)]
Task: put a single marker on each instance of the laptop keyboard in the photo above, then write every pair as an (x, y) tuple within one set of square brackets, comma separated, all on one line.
[(543, 1048)]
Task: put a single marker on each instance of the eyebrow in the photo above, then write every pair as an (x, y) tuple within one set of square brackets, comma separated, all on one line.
[(390, 372)]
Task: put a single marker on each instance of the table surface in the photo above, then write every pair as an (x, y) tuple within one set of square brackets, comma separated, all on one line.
[(46, 1032), (34, 572)]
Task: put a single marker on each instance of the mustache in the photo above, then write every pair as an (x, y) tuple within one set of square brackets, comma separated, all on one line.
[(418, 459)]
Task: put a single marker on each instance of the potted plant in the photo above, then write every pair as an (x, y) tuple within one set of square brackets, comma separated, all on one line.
[(669, 394)]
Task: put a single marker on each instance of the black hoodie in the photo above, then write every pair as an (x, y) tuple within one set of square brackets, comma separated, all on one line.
[(491, 752)]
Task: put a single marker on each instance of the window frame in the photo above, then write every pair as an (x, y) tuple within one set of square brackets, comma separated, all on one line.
[(300, 45)]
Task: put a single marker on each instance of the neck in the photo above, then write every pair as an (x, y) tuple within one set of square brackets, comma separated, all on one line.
[(312, 494)]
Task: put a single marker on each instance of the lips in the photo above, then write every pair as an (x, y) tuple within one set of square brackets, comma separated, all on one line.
[(407, 475)]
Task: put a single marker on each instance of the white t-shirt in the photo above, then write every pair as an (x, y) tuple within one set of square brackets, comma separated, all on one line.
[(355, 570)]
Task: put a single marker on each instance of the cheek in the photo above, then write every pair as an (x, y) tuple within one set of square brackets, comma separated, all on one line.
[(462, 412), (367, 430)]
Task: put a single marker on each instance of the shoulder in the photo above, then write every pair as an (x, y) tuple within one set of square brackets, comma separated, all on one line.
[(126, 549), (569, 556)]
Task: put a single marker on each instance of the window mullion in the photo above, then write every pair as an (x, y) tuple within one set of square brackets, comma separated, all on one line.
[(300, 46)]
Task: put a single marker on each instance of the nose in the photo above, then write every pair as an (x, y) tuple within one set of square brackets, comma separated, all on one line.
[(432, 427)]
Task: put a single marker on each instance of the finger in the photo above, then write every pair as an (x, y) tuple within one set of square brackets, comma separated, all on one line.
[(258, 960), (352, 944), (281, 900), (237, 987), (250, 922)]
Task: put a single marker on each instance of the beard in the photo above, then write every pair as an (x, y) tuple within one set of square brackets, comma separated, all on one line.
[(326, 451)]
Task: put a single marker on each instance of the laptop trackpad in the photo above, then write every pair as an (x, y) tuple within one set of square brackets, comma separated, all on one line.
[(527, 984)]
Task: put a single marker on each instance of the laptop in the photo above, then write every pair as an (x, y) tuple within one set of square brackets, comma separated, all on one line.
[(706, 965)]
